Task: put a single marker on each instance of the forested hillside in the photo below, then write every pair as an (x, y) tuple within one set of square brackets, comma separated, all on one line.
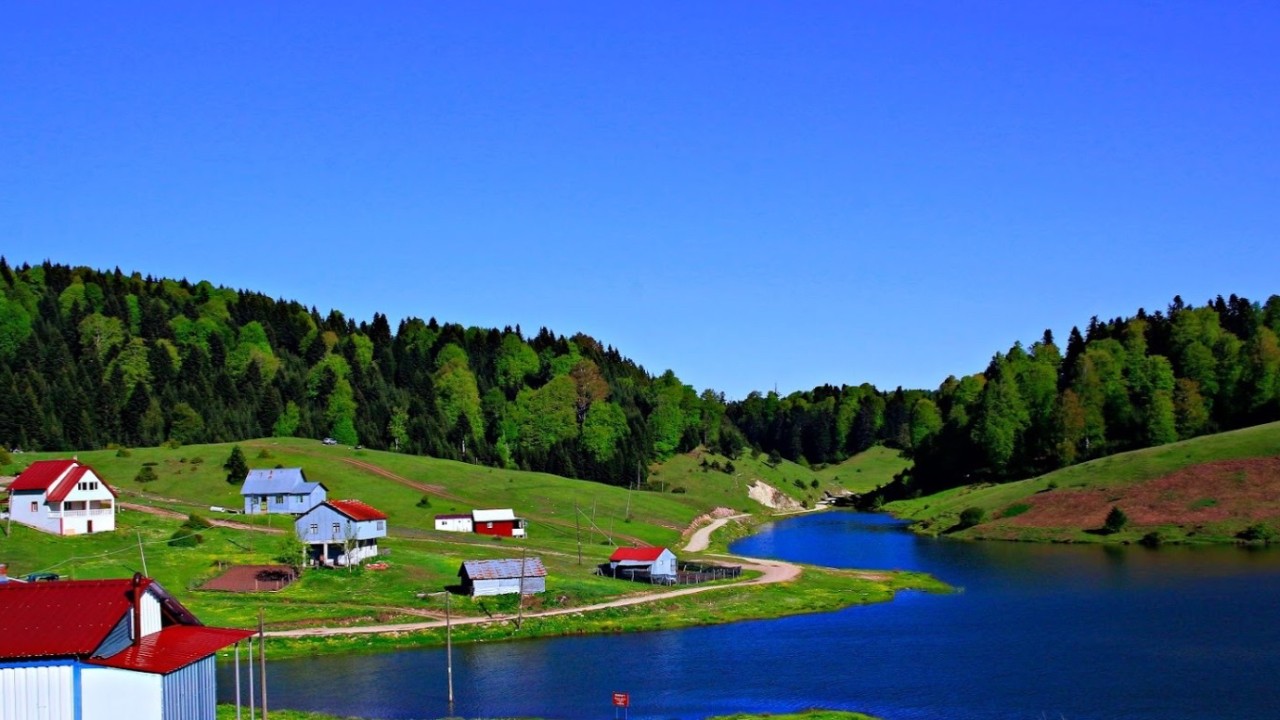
[(1121, 385), (91, 358)]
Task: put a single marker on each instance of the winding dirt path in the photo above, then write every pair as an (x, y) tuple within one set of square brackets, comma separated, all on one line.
[(702, 538), (161, 512), (771, 571)]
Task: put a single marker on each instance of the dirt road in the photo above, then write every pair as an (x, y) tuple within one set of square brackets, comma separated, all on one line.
[(702, 538), (772, 571)]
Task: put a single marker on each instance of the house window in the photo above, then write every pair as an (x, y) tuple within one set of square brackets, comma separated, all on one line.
[(337, 529), (279, 499), (315, 529), (489, 525), (382, 525), (35, 507)]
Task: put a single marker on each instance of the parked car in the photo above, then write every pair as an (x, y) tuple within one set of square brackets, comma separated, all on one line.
[(329, 441), (42, 577)]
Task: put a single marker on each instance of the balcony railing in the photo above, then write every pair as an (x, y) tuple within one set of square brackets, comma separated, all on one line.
[(97, 512)]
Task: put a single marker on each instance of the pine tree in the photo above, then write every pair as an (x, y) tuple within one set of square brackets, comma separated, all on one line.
[(236, 466)]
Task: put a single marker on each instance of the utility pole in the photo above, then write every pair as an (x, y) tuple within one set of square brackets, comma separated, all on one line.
[(262, 663), (448, 646), (577, 529)]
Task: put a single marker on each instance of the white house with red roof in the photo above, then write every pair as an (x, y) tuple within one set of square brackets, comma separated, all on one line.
[(341, 532), (105, 650), (62, 497), (657, 562)]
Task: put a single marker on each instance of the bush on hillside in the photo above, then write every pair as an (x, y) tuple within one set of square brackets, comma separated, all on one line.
[(146, 474), (971, 516), (1116, 520), (1257, 533)]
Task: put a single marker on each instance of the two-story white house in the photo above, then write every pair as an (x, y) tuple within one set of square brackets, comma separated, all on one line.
[(341, 532), (62, 497), (105, 650), (281, 490)]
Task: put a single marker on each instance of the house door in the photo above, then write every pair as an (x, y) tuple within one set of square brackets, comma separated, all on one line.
[(89, 528)]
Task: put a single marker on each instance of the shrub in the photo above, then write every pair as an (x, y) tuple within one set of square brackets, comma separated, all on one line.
[(1155, 538), (971, 516), (123, 452), (5, 457), (145, 475), (196, 460), (424, 501), (814, 484), (1258, 533), (729, 469), (1014, 510), (679, 490), (1116, 520), (236, 466), (183, 537), (264, 453), (172, 444)]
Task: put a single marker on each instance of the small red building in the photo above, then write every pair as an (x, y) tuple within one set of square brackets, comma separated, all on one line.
[(502, 523)]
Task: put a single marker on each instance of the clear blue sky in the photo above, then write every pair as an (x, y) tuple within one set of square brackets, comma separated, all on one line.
[(753, 194)]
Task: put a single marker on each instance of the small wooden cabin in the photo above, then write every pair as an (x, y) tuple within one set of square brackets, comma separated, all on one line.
[(502, 577), (656, 562), (454, 523), (502, 523)]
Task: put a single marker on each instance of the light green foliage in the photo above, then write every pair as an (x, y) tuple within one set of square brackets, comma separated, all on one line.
[(1003, 417), (15, 327), (362, 349), (72, 296), (133, 363), (925, 420), (186, 425), (398, 428), (457, 394), (1262, 369), (252, 346), (515, 361), (605, 425), (101, 334), (134, 310), (286, 424), (547, 415), (191, 333), (669, 419)]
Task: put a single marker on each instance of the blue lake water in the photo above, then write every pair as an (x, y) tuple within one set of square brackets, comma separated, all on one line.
[(1037, 632)]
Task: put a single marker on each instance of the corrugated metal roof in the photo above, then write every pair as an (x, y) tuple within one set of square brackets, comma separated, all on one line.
[(645, 554), (356, 510), (277, 481), (66, 617), (493, 515), (173, 647), (501, 569)]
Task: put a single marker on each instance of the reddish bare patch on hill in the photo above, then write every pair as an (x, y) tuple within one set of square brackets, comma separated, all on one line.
[(1240, 490)]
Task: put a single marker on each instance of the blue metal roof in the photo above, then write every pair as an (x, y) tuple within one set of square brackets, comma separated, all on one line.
[(277, 481)]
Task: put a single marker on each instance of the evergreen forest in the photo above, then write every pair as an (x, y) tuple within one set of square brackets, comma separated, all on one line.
[(91, 359)]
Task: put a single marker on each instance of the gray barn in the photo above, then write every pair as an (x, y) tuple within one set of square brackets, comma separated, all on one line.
[(502, 577)]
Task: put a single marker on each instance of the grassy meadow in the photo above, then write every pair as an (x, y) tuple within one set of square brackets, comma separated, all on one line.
[(573, 526)]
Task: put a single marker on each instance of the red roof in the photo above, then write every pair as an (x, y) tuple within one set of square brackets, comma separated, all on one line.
[(66, 617), (645, 554), (173, 647), (357, 510), (56, 477)]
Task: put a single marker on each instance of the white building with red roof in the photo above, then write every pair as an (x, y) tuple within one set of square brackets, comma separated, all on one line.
[(656, 562), (62, 497), (105, 650), (341, 532)]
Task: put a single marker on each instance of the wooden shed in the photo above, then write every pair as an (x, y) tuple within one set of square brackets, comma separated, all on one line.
[(502, 577), (656, 562), (501, 522)]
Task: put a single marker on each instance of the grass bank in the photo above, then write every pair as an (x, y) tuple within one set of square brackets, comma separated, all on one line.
[(1210, 489), (228, 712)]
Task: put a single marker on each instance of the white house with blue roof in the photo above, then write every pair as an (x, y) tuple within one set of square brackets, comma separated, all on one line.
[(280, 490)]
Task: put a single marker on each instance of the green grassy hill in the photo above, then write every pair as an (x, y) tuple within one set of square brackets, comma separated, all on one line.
[(411, 490), (865, 471), (1206, 489)]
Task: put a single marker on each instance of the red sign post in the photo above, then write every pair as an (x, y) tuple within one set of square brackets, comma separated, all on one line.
[(621, 700)]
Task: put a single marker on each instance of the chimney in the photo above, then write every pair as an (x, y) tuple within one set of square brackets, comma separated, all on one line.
[(137, 608)]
